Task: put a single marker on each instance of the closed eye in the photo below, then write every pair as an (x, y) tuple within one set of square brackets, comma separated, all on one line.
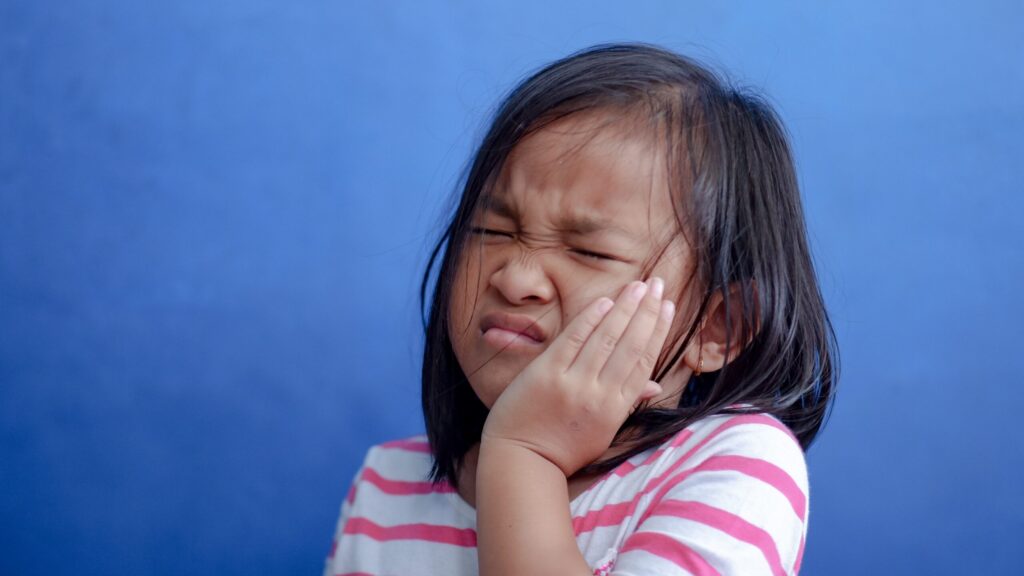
[(480, 231), (494, 233), (591, 255)]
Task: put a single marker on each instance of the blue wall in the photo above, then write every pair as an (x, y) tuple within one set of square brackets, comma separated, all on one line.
[(213, 215)]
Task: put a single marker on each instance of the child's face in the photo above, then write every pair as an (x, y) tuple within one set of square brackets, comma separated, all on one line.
[(580, 210)]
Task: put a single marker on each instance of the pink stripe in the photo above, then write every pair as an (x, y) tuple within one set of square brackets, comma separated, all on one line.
[(670, 549), (409, 445), (334, 548), (608, 515), (764, 471), (614, 514), (351, 496), (402, 487), (424, 532), (729, 523)]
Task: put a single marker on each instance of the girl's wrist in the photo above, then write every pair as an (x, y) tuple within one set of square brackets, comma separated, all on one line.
[(513, 454)]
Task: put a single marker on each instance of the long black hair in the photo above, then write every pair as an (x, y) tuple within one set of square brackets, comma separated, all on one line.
[(738, 203)]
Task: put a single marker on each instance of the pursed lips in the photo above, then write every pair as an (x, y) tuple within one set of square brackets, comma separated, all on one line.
[(518, 324)]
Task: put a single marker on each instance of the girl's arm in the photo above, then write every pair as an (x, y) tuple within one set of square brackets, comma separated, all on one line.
[(558, 415), (523, 520)]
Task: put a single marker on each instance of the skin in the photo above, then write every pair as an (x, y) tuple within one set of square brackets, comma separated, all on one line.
[(580, 212)]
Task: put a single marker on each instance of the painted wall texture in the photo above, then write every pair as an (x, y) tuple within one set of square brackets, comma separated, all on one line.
[(213, 217)]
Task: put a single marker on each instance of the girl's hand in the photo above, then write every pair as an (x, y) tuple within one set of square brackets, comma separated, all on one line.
[(568, 403)]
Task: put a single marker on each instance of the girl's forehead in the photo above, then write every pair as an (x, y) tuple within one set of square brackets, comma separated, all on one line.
[(590, 171)]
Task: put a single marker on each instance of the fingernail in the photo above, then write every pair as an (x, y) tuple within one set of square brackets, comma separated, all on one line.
[(657, 287), (604, 305), (638, 290), (668, 308)]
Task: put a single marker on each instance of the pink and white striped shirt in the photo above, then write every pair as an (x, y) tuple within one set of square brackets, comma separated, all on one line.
[(727, 495)]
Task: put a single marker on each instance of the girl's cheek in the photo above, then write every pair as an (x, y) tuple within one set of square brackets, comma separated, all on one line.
[(585, 294)]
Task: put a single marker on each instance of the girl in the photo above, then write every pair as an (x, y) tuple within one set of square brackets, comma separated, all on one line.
[(627, 351)]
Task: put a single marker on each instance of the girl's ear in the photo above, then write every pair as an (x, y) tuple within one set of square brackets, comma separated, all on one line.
[(710, 349)]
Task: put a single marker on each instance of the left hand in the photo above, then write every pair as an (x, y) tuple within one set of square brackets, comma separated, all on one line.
[(569, 402)]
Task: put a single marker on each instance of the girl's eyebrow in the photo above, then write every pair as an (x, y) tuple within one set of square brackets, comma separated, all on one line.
[(585, 224), (500, 207)]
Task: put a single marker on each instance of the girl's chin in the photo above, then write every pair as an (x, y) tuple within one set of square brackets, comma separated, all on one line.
[(491, 381)]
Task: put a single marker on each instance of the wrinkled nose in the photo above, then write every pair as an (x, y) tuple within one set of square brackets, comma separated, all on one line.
[(522, 281)]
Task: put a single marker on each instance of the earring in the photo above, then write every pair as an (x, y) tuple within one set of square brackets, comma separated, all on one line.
[(700, 367)]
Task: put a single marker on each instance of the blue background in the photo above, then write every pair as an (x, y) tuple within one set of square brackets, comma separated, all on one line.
[(213, 216)]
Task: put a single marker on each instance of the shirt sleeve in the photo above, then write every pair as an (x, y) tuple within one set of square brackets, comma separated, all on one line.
[(346, 511), (737, 506)]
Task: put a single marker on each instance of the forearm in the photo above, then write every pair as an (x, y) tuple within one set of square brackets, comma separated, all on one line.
[(523, 520)]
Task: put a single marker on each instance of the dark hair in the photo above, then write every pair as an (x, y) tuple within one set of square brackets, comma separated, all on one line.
[(738, 202)]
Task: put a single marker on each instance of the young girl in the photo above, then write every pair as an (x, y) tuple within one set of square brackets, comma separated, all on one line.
[(627, 351)]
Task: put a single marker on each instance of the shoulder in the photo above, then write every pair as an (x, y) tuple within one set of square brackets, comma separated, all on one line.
[(394, 482), (396, 521), (755, 450), (730, 493), (403, 460), (754, 436), (413, 448)]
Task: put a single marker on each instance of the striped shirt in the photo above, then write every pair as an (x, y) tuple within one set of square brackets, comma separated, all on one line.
[(727, 495)]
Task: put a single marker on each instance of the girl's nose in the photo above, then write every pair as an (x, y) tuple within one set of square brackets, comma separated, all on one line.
[(521, 282)]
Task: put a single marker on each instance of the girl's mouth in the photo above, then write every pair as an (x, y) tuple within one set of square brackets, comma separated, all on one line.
[(504, 339), (505, 330)]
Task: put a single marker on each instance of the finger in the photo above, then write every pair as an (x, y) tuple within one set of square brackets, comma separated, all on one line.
[(606, 336), (633, 344), (642, 371), (568, 344)]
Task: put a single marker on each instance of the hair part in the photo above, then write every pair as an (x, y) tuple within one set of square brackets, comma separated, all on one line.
[(737, 201)]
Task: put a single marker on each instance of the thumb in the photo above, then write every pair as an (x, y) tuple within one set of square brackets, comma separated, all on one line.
[(651, 389)]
